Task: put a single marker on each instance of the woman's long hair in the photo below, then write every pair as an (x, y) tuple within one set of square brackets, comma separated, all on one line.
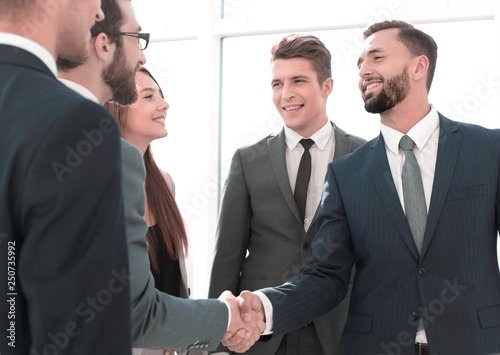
[(159, 198)]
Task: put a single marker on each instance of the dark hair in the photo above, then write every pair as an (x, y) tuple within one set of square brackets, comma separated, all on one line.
[(417, 42), (308, 47), (159, 197), (112, 22)]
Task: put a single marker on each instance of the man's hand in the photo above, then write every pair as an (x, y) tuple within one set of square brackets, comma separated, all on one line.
[(251, 313), (244, 330)]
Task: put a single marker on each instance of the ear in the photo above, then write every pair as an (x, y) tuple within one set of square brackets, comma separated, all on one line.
[(422, 66), (327, 87), (104, 49)]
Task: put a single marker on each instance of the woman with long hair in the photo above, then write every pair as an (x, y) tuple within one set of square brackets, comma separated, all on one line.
[(140, 124)]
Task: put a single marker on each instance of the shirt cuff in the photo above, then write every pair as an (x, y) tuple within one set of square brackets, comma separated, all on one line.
[(228, 314), (268, 310)]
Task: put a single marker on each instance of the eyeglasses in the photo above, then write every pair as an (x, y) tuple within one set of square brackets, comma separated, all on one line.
[(142, 38)]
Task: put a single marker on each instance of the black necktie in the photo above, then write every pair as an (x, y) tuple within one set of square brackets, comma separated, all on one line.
[(303, 176)]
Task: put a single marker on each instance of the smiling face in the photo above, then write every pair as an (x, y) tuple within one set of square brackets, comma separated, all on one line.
[(146, 117), (383, 70), (298, 96)]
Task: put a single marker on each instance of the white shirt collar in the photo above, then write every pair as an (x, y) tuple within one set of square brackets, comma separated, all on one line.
[(420, 133), (82, 90), (31, 46), (320, 137)]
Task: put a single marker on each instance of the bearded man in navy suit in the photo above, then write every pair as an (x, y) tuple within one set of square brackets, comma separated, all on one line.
[(438, 294), (64, 262)]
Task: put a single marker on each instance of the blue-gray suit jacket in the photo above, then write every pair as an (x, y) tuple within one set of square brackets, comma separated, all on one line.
[(454, 285), (159, 320)]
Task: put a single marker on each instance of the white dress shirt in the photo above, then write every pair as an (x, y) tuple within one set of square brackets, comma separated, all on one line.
[(322, 152), (31, 46), (425, 134), (82, 90)]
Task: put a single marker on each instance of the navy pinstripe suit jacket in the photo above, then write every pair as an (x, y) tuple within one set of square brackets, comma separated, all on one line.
[(454, 285)]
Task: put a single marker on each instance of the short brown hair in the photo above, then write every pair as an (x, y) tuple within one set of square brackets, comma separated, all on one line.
[(308, 47), (417, 42), (112, 22)]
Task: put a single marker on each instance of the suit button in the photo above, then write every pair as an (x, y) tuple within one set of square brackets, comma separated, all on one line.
[(306, 246), (414, 316), (422, 271)]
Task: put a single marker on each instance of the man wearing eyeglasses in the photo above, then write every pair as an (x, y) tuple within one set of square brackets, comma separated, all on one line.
[(159, 321), (116, 52)]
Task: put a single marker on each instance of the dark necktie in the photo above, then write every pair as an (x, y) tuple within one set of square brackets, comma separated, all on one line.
[(303, 176), (413, 192)]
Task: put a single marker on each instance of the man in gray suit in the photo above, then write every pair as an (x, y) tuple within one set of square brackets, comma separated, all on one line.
[(266, 222), (159, 320)]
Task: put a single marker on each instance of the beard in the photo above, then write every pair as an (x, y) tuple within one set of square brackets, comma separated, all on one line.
[(393, 92), (120, 79), (65, 65)]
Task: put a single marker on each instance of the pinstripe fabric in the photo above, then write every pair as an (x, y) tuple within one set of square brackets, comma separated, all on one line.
[(454, 285), (259, 214)]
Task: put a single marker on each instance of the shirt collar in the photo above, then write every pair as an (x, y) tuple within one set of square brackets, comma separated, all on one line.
[(30, 46), (320, 137), (420, 133), (82, 90)]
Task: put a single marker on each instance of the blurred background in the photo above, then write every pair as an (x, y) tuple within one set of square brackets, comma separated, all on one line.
[(211, 58)]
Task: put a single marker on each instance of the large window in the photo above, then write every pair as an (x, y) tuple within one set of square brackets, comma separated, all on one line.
[(215, 75)]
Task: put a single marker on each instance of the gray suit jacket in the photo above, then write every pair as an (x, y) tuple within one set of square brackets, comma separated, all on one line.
[(161, 321), (259, 215)]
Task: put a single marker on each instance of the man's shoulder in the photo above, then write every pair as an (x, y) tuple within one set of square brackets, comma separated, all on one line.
[(473, 134), (359, 154), (258, 148), (356, 141)]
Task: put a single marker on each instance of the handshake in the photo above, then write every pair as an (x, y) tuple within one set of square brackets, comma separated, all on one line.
[(247, 320)]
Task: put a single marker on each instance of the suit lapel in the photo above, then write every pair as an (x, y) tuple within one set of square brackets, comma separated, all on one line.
[(277, 147), (448, 148), (343, 146), (381, 176), (18, 56)]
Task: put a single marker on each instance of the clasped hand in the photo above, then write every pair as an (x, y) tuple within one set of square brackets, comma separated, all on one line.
[(247, 320)]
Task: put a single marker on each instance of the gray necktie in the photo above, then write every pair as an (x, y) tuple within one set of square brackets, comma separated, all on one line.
[(413, 192)]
